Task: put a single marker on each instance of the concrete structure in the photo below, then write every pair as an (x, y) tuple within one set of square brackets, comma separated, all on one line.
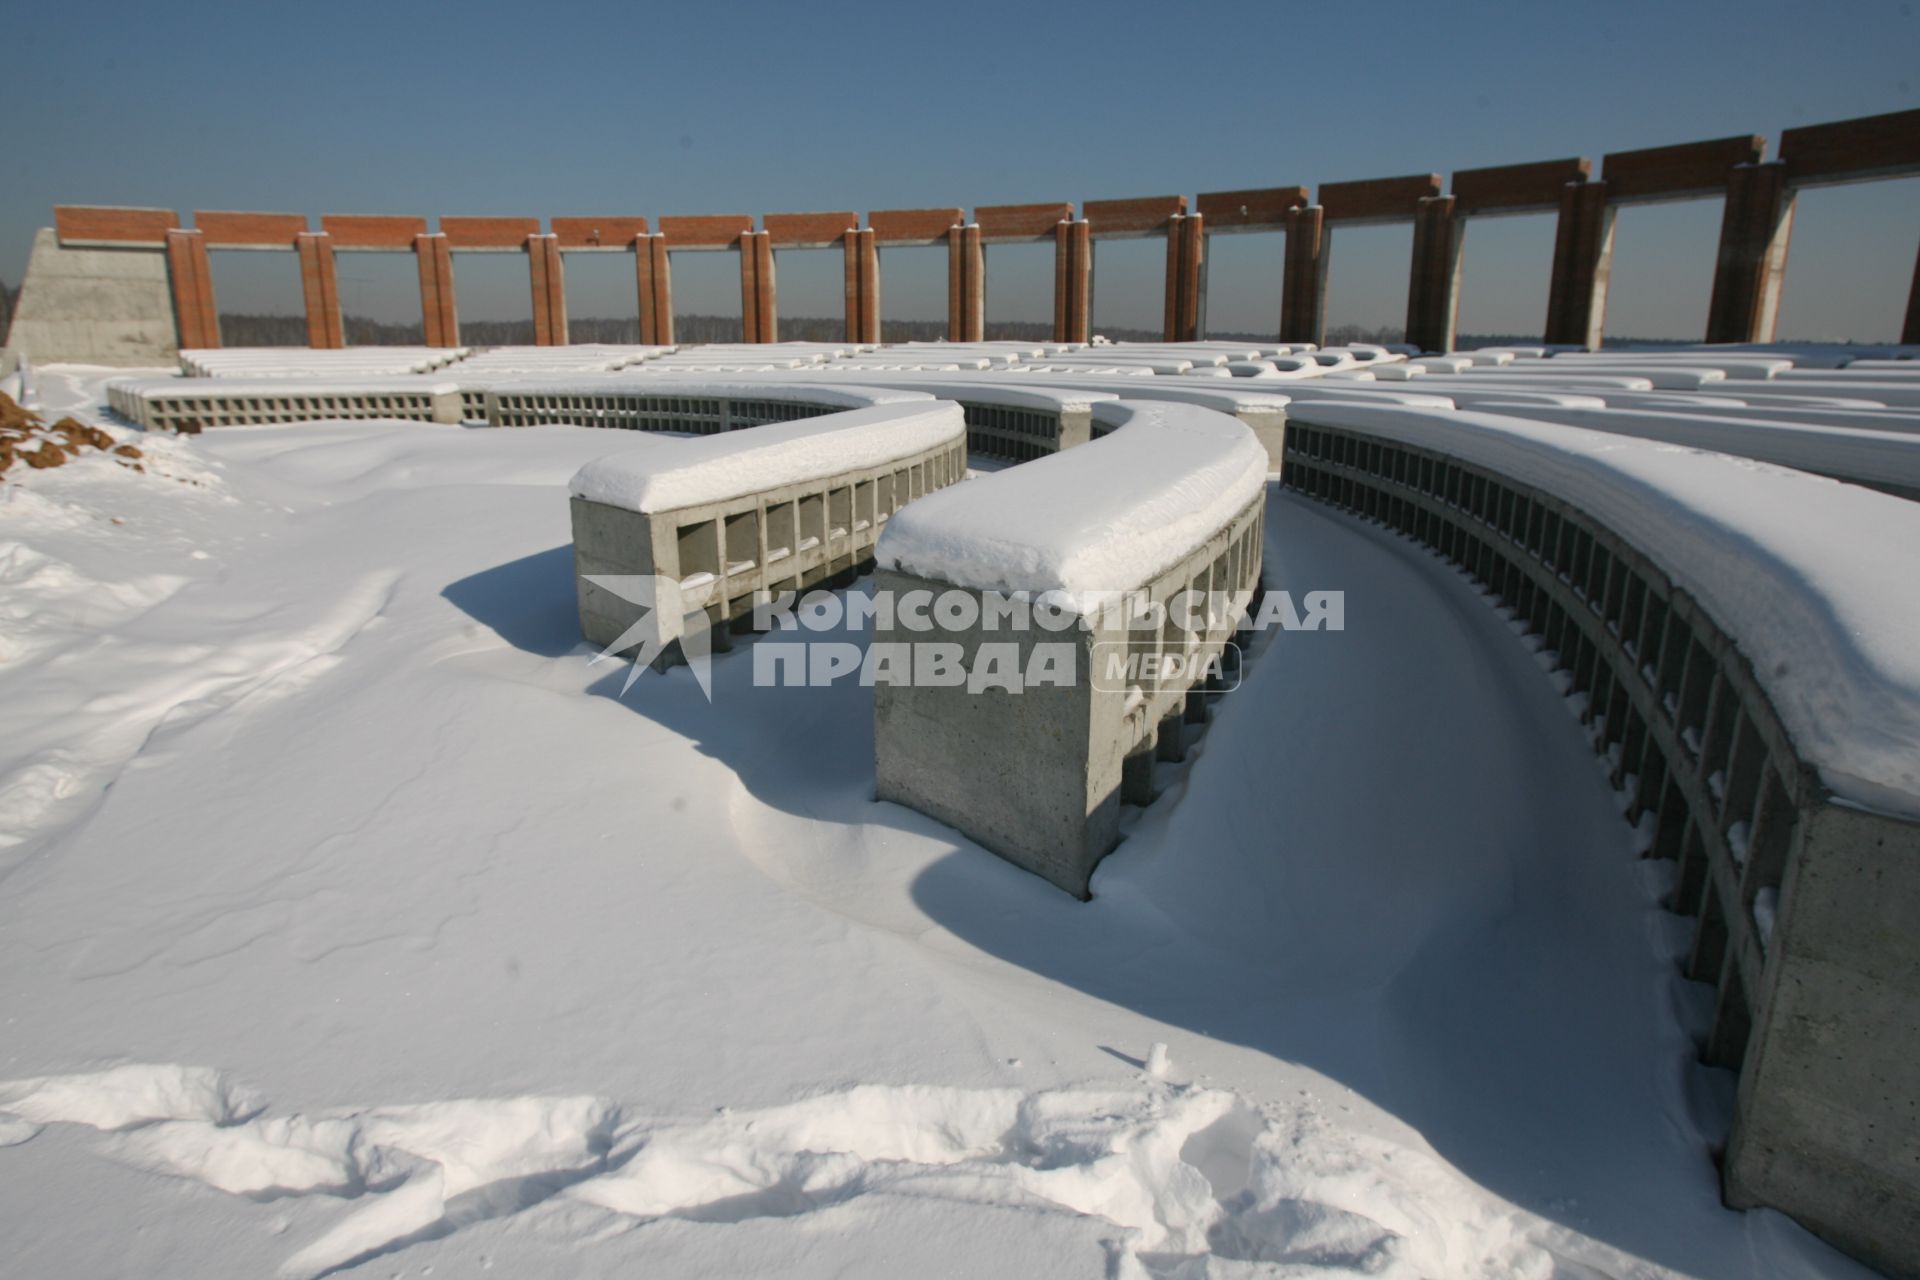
[(744, 545), (96, 305), (90, 307), (194, 404), (1038, 776), (1803, 904)]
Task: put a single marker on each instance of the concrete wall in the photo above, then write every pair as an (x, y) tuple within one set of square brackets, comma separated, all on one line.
[(1803, 908), (94, 306)]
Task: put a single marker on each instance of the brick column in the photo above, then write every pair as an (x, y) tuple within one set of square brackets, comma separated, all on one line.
[(196, 321), (1072, 277), (437, 309), (757, 319), (655, 279), (547, 268), (320, 286), (1910, 331), (1754, 231), (862, 285), (1582, 263), (966, 285), (1433, 285), (1303, 292), (1186, 263)]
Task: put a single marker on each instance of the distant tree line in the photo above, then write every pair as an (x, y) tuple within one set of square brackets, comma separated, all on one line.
[(249, 330)]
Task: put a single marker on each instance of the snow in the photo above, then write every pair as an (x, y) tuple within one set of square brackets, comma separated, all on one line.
[(1104, 517), (716, 468), (406, 946), (1824, 606)]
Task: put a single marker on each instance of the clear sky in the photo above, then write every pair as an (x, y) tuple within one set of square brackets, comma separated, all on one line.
[(484, 108)]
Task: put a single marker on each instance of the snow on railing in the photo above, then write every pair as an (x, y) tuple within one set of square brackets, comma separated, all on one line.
[(1102, 540), (730, 520), (1738, 639)]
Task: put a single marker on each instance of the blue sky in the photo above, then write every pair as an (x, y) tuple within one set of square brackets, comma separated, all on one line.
[(482, 108)]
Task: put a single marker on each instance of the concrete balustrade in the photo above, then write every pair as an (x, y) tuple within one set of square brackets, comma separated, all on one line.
[(1097, 538), (1795, 854), (689, 405), (735, 518), (193, 404)]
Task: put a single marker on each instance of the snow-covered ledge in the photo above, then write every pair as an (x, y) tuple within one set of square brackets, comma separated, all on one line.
[(725, 517), (671, 401), (191, 404), (1740, 640), (1090, 539)]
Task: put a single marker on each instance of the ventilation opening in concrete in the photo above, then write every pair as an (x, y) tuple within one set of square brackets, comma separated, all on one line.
[(259, 298), (810, 298), (493, 297), (1130, 289), (913, 294), (1850, 263), (1663, 256), (379, 299), (1244, 276), (1367, 276), (1020, 291), (706, 296), (603, 297), (1506, 270)]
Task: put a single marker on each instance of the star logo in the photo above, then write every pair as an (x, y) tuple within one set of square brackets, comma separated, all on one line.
[(664, 619)]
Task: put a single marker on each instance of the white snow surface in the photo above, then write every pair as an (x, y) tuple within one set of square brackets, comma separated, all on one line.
[(734, 463), (1106, 516), (1824, 605), (352, 923)]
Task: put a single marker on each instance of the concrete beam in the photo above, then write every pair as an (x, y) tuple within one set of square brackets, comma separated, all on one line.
[(1679, 172), (1020, 223), (1755, 229), (249, 230), (706, 231), (613, 234), (372, 231), (1141, 216), (809, 230), (913, 226), (1516, 188), (320, 289), (506, 235), (1871, 147), (1254, 209), (1376, 199), (83, 225)]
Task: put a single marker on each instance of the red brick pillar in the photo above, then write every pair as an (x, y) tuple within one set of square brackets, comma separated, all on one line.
[(1582, 264), (1754, 231), (546, 267), (757, 319), (655, 278), (437, 310), (1910, 332), (1072, 280), (195, 319), (862, 285), (1433, 285), (1303, 291), (1186, 262), (320, 286), (966, 285)]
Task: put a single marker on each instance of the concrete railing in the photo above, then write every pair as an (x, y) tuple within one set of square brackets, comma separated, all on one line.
[(1745, 684), (84, 300), (191, 404), (732, 519), (1092, 540), (682, 403)]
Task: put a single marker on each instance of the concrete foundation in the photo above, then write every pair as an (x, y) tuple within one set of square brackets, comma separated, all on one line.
[(94, 306)]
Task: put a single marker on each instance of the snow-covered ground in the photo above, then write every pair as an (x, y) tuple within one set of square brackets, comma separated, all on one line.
[(352, 923)]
